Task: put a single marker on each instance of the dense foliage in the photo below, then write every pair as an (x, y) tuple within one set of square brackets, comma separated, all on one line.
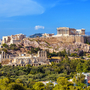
[(34, 50), (11, 47), (62, 54), (29, 77)]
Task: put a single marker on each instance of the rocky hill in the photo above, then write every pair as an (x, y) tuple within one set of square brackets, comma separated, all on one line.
[(73, 44), (55, 44)]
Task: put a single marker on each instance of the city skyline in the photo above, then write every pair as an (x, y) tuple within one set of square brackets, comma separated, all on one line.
[(37, 16)]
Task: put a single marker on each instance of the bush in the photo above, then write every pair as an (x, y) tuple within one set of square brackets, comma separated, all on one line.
[(5, 45), (5, 50), (88, 56), (73, 54), (13, 47)]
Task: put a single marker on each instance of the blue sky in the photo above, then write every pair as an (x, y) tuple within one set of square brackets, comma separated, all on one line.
[(42, 16)]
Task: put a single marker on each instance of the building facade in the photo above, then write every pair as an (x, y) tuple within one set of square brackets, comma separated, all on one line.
[(65, 31), (4, 56), (13, 39), (34, 60)]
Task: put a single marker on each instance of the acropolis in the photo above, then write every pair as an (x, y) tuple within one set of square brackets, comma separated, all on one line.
[(49, 42), (13, 39), (66, 31)]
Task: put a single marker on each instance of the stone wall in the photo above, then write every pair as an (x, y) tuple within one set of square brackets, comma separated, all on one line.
[(87, 39), (42, 56), (15, 41), (68, 39), (4, 58), (79, 39)]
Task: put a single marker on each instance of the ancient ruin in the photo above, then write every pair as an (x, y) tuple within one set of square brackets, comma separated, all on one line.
[(13, 39), (23, 60), (65, 31)]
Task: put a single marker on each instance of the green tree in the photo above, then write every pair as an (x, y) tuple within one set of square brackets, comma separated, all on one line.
[(79, 79), (32, 50), (5, 45), (5, 50), (31, 84), (88, 88), (13, 47), (73, 65), (4, 83), (39, 86), (86, 66), (62, 81), (79, 67), (18, 81), (57, 87), (63, 84), (15, 86), (49, 86), (73, 54), (37, 49)]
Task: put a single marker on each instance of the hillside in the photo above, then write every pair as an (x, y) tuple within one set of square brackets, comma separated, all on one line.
[(73, 44), (55, 44)]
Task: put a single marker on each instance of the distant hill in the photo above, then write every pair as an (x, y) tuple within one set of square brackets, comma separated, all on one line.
[(36, 35)]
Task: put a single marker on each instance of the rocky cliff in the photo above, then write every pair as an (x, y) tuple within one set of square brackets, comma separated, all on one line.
[(71, 43)]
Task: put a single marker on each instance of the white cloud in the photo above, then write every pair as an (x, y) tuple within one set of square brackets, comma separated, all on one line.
[(39, 27), (20, 7)]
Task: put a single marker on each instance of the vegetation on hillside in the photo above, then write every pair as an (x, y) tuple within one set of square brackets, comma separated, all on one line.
[(29, 77)]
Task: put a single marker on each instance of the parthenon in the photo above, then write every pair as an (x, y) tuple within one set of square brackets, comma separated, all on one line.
[(65, 31)]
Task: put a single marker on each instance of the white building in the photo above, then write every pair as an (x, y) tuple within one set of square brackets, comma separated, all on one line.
[(23, 60), (13, 39), (66, 31)]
